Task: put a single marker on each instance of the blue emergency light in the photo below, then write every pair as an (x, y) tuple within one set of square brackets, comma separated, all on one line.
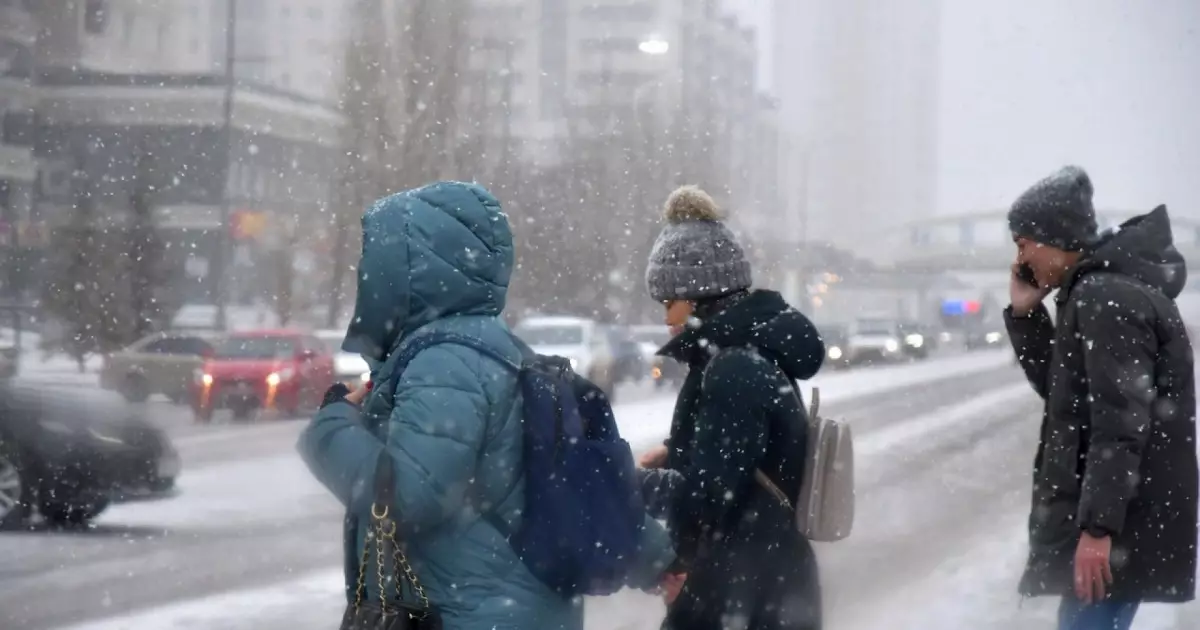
[(960, 307)]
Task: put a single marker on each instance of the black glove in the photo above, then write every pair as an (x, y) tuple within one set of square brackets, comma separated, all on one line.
[(336, 392)]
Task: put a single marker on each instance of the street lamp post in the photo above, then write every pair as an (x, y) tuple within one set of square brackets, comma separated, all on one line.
[(218, 267)]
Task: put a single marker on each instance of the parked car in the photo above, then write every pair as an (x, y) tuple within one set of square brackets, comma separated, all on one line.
[(582, 341), (348, 367), (67, 455), (282, 370), (873, 340), (162, 363)]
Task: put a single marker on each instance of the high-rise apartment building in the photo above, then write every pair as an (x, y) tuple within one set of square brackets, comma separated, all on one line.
[(18, 170), (550, 70), (131, 102), (858, 83), (290, 46)]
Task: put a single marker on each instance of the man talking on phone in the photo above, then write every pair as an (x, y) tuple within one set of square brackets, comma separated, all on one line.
[(1113, 522)]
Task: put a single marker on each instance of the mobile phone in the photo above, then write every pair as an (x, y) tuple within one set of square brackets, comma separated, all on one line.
[(1025, 274)]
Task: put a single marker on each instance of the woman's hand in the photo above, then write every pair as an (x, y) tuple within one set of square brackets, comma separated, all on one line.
[(654, 458), (357, 396), (672, 584)]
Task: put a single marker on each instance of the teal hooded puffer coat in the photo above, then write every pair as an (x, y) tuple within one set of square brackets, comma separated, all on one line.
[(439, 258)]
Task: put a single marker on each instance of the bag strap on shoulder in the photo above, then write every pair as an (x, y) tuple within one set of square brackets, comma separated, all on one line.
[(420, 343)]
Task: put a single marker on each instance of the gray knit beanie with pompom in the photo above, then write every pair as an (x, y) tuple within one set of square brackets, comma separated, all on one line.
[(695, 256)]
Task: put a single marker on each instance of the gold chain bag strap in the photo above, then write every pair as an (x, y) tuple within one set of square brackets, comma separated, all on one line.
[(382, 614)]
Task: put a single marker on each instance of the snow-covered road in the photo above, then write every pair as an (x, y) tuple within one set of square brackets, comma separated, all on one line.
[(252, 542)]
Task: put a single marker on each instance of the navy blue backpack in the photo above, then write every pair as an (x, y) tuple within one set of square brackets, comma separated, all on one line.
[(582, 520)]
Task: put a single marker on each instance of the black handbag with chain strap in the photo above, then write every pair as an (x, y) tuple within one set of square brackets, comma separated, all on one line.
[(383, 614)]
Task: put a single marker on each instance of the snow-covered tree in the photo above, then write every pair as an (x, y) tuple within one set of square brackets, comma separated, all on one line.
[(82, 268), (150, 270)]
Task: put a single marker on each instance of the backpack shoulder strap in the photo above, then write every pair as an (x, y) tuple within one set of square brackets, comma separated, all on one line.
[(814, 408), (420, 343), (425, 341)]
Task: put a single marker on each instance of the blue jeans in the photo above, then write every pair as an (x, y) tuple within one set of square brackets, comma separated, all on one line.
[(1106, 615)]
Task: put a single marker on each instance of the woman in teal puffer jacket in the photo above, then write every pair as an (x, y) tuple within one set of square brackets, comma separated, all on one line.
[(437, 259)]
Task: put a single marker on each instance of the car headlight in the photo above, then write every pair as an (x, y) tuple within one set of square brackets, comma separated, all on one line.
[(835, 353), (915, 340), (992, 337), (202, 377), (275, 378), (891, 345)]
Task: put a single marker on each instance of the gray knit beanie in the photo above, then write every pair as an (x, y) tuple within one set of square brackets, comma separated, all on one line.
[(1057, 211), (695, 255)]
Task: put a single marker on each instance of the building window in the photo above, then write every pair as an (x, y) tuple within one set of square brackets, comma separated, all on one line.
[(95, 16), (611, 44), (17, 128)]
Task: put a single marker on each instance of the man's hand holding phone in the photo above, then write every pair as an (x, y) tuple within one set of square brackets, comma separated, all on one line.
[(1023, 290)]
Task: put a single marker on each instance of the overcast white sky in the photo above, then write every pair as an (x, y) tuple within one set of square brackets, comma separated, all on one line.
[(1028, 85)]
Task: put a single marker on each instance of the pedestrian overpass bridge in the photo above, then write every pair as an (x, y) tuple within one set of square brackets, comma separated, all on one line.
[(981, 242)]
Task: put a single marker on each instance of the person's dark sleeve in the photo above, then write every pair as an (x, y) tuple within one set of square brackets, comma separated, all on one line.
[(1032, 338), (1117, 328), (730, 441), (814, 350)]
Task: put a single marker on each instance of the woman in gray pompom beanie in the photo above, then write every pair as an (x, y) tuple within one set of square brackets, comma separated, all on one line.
[(696, 258), (739, 555)]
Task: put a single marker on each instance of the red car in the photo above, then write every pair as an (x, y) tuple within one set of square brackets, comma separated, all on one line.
[(280, 370)]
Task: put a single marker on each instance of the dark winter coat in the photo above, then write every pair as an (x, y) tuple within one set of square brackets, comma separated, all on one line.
[(747, 566), (1118, 441)]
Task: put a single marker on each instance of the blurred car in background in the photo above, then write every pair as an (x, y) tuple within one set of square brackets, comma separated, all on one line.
[(664, 371), (162, 363), (349, 368), (629, 364), (282, 370), (916, 341), (582, 341), (650, 337), (9, 360), (836, 340), (873, 340), (67, 455), (986, 336)]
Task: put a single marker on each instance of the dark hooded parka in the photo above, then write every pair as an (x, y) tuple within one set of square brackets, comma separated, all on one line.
[(1118, 439), (748, 567)]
